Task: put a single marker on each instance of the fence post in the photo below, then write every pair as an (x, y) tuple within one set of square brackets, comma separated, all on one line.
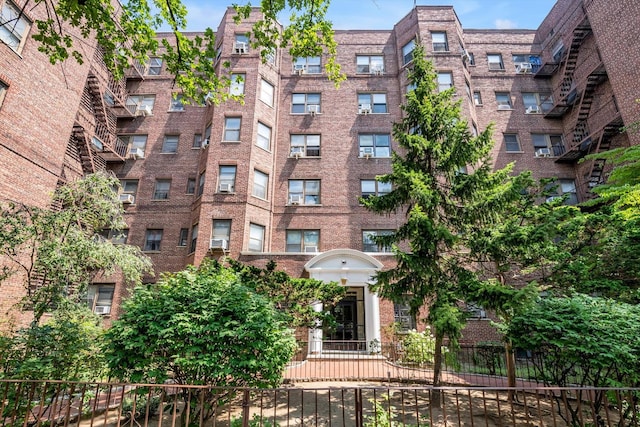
[(245, 408), (358, 401)]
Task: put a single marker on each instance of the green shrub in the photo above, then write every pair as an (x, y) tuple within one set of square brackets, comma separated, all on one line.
[(419, 347)]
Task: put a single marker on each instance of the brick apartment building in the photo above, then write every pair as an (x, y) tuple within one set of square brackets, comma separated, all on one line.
[(279, 176)]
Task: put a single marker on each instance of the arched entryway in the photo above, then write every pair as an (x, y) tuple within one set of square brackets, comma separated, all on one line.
[(358, 314)]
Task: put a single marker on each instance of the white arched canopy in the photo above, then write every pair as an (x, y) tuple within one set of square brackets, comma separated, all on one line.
[(354, 270)]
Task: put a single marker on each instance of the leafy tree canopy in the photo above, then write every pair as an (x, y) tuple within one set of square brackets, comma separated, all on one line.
[(126, 33), (200, 326), (60, 250), (293, 297)]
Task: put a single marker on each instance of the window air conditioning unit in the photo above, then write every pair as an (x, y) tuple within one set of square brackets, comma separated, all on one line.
[(533, 109), (240, 48), (523, 67), (313, 109), (543, 152), (312, 249), (204, 144), (504, 107), (127, 198), (219, 244), (299, 69), (465, 55), (143, 110), (367, 152), (102, 309), (552, 198), (297, 152), (225, 187), (364, 109), (136, 153), (295, 199)]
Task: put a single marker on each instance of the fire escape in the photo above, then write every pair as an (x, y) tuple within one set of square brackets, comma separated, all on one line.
[(582, 71), (95, 128)]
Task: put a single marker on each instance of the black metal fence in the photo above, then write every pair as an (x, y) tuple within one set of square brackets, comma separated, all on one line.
[(34, 404)]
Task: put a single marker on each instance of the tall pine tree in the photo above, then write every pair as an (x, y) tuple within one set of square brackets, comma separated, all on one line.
[(443, 179)]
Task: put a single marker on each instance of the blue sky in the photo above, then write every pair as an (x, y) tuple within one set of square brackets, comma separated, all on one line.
[(383, 14)]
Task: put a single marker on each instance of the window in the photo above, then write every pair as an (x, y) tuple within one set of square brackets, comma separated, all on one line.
[(13, 26), (504, 100), (197, 141), (299, 240), (547, 145), (303, 103), (495, 61), (241, 44), (266, 92), (129, 186), (511, 142), (221, 230), (177, 102), (439, 41), (372, 187), (227, 179), (161, 190), (264, 136), (472, 58), (477, 98), (136, 143), (154, 67), (256, 238), (170, 144), (407, 52), (141, 103), (305, 146), (117, 237), (567, 187), (184, 235), (232, 129), (100, 298), (194, 238), (304, 192), (374, 145), (237, 84), (260, 184), (207, 134), (152, 240), (475, 311), (558, 51), (467, 88), (3, 90), (370, 64), (191, 185), (535, 103), (372, 103), (403, 318), (201, 184), (308, 65), (270, 56), (445, 81), (369, 241)]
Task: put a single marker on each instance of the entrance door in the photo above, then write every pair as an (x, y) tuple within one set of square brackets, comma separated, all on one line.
[(348, 332)]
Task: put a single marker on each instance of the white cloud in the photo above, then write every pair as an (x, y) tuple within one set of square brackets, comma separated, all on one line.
[(505, 24)]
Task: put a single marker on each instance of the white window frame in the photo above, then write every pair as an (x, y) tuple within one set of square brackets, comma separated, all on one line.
[(260, 184), (227, 175), (306, 100), (377, 102), (370, 64), (381, 148), (267, 91), (263, 137), (154, 66), (445, 80), (256, 238), (373, 187), (153, 239), (137, 101), (439, 41), (221, 229), (407, 52), (512, 141), (299, 239), (310, 64), (304, 190), (554, 142), (236, 86), (504, 99), (100, 295), (177, 103), (161, 189), (13, 30), (309, 143), (495, 62), (230, 130), (169, 142), (368, 242)]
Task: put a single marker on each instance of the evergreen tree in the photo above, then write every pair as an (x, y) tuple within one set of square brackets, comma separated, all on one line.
[(442, 177)]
